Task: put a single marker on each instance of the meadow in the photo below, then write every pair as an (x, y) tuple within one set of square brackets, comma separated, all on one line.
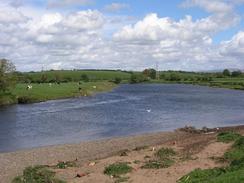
[(45, 91), (74, 75)]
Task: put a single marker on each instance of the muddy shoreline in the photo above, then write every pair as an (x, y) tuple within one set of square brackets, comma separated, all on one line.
[(13, 163)]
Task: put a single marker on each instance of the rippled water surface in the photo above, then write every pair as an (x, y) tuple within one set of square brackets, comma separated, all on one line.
[(127, 110)]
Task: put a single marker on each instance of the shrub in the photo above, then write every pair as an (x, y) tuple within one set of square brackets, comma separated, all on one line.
[(37, 174), (24, 100), (165, 153), (117, 80), (117, 169), (228, 136)]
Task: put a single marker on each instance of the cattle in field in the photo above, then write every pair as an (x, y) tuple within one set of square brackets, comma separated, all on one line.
[(29, 87)]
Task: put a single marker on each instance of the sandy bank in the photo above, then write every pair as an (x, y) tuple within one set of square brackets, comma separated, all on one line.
[(12, 164)]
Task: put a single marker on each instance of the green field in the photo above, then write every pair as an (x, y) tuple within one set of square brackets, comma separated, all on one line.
[(44, 91), (75, 75)]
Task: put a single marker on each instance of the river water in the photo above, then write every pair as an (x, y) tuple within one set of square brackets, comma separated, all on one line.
[(127, 110)]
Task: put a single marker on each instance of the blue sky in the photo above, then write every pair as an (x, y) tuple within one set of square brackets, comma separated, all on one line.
[(113, 34)]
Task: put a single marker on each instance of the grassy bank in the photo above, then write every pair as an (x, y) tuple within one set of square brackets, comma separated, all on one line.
[(44, 91), (229, 83), (232, 173)]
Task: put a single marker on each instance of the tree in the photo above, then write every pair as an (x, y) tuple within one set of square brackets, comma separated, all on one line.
[(84, 78), (236, 73), (117, 80), (7, 77), (151, 73), (226, 72), (138, 78), (43, 78), (57, 78)]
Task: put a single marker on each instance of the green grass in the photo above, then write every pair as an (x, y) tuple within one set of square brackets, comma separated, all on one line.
[(164, 153), (37, 174), (228, 136), (155, 164), (75, 75), (7, 98), (234, 173), (43, 92), (163, 158), (117, 169)]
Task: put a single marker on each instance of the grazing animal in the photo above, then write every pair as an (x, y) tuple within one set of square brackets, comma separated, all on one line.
[(29, 87), (50, 84), (94, 87)]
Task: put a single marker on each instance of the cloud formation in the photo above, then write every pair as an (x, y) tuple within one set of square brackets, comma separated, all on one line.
[(90, 39)]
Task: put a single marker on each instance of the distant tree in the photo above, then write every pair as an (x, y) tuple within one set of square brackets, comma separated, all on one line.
[(162, 76), (117, 80), (84, 78), (226, 72), (57, 78), (173, 77), (44, 78), (151, 73), (219, 75), (236, 73), (138, 78), (7, 77)]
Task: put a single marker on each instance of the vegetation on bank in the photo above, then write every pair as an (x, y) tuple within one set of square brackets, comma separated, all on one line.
[(37, 174), (57, 84), (45, 91), (233, 173)]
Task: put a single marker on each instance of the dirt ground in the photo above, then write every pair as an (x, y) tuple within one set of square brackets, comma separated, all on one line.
[(194, 150)]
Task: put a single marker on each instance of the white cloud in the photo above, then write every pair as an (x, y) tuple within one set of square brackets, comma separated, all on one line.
[(234, 47), (115, 7), (90, 39)]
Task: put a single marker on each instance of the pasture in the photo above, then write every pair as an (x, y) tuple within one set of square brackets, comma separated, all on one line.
[(45, 91), (76, 75)]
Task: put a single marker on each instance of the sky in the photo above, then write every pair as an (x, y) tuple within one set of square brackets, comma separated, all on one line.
[(190, 35)]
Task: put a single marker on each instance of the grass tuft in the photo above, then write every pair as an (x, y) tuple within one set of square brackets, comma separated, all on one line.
[(37, 174), (165, 153), (228, 137), (117, 169)]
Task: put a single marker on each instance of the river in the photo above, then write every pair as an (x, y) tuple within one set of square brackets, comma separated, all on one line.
[(127, 110)]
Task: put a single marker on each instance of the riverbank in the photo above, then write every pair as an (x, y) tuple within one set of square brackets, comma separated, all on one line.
[(224, 83), (194, 150), (43, 92)]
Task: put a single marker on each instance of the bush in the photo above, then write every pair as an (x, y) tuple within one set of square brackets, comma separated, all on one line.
[(117, 80), (165, 153), (138, 78), (84, 78), (37, 174), (228, 136), (25, 100), (117, 169)]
